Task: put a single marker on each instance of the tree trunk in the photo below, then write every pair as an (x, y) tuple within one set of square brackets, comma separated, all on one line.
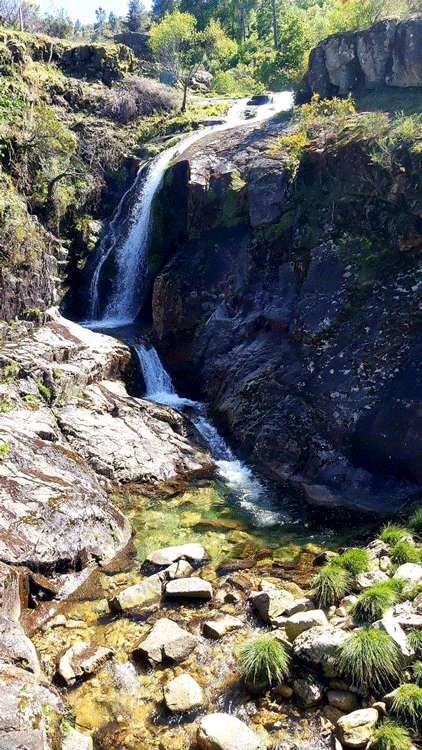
[(185, 95)]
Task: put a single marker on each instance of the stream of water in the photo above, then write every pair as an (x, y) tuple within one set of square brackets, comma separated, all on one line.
[(236, 515)]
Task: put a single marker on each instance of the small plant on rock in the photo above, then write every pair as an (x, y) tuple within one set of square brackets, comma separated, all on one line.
[(370, 660), (390, 736), (417, 672), (407, 704), (373, 602), (331, 584), (404, 552), (392, 533), (416, 521), (414, 636), (263, 659), (355, 560)]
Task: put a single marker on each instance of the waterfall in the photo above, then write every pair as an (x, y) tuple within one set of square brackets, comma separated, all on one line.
[(250, 492), (129, 240)]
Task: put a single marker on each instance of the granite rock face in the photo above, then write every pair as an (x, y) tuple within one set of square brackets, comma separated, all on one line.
[(306, 356), (385, 54)]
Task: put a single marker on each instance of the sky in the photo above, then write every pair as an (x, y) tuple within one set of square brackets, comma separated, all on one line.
[(85, 9)]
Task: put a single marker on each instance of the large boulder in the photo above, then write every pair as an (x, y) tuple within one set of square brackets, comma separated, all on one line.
[(165, 642), (406, 69), (189, 588), (317, 648), (409, 572), (373, 48), (226, 732), (355, 729), (343, 68)]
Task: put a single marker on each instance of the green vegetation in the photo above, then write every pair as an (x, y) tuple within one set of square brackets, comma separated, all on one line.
[(407, 704), (370, 659), (47, 392), (392, 533), (415, 639), (390, 736), (8, 373), (263, 659), (404, 552), (416, 521), (3, 449), (355, 560), (374, 602), (417, 672), (331, 584)]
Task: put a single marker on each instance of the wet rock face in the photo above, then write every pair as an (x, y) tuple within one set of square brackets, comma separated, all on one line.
[(315, 370), (387, 53)]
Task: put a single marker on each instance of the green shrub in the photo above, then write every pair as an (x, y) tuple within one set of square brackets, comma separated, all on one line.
[(417, 672), (414, 636), (404, 552), (330, 584), (392, 533), (390, 736), (407, 704), (416, 521), (373, 602), (370, 660), (355, 560), (46, 392), (263, 659)]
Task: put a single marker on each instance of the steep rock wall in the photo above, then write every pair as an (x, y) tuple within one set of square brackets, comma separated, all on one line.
[(294, 308)]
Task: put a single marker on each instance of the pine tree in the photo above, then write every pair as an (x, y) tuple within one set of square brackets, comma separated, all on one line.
[(136, 12)]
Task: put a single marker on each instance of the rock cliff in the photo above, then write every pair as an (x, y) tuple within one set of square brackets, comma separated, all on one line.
[(385, 54), (294, 308)]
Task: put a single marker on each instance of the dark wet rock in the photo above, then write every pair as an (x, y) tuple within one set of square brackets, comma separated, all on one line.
[(183, 694), (323, 559), (343, 700), (316, 649), (189, 588), (82, 660), (307, 693), (145, 594), (226, 732), (406, 69), (165, 642)]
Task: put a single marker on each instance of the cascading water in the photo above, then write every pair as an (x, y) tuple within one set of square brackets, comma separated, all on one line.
[(129, 240), (247, 490)]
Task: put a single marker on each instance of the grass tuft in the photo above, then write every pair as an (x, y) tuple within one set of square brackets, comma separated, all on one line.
[(370, 659), (392, 533), (330, 584), (390, 736), (355, 561), (404, 552), (263, 659), (374, 602), (416, 521), (414, 636), (417, 672), (407, 704)]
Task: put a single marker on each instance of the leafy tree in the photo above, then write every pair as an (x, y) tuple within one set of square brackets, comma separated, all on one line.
[(60, 25), (77, 27), (220, 50), (174, 43), (135, 16), (161, 7)]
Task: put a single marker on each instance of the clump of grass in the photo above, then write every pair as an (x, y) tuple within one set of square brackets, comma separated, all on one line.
[(407, 704), (414, 636), (330, 584), (46, 392), (390, 736), (392, 533), (374, 601), (404, 552), (417, 672), (263, 659), (416, 521), (355, 560), (370, 660)]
